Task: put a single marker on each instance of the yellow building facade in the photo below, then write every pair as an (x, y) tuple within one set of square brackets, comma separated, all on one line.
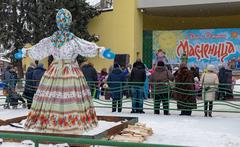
[(119, 29)]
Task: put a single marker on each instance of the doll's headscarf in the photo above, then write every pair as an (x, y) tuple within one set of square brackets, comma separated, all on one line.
[(63, 20)]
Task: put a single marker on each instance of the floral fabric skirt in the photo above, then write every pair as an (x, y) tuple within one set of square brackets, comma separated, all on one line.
[(63, 102)]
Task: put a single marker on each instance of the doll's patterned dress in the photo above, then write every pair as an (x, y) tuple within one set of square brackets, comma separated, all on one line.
[(63, 102)]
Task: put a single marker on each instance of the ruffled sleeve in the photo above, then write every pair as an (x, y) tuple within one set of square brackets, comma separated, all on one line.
[(85, 48), (41, 50)]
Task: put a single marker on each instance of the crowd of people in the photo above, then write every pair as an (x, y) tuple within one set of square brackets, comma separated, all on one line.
[(183, 84), (10, 78), (160, 83)]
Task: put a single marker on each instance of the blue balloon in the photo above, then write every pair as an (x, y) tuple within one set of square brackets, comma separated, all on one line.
[(20, 51), (108, 54), (18, 56)]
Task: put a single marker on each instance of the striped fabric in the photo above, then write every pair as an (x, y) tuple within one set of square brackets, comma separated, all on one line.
[(63, 102)]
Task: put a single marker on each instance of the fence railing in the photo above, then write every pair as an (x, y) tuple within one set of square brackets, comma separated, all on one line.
[(229, 102), (226, 99), (76, 141)]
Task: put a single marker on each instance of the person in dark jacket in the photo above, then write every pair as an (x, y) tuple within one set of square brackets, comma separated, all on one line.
[(29, 87), (115, 82), (13, 94), (222, 82), (91, 76), (7, 86), (10, 79), (38, 72), (138, 77), (185, 97), (17, 97), (160, 84), (225, 83), (195, 73)]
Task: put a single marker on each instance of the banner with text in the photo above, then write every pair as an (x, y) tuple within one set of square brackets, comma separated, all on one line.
[(205, 46)]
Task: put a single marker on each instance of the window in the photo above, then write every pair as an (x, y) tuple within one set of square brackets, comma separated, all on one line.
[(102, 5)]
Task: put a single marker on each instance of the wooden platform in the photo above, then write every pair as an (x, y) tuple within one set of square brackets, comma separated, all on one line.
[(106, 134)]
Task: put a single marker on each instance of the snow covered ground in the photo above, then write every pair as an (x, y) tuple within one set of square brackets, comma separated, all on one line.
[(220, 131)]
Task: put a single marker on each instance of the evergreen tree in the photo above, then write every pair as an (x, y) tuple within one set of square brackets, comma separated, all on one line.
[(29, 21), (13, 29)]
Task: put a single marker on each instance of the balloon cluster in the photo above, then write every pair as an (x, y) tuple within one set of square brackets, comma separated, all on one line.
[(108, 54)]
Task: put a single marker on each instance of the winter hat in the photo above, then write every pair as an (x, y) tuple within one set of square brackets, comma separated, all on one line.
[(211, 67), (160, 63)]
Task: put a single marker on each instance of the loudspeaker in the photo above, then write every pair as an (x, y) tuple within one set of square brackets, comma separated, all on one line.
[(122, 59)]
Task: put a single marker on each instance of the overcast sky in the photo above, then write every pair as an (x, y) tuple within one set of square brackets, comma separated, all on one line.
[(92, 2)]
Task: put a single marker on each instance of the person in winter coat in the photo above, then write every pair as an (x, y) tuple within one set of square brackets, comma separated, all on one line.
[(16, 97), (128, 91), (185, 94), (102, 80), (225, 89), (137, 79), (222, 83), (10, 80), (13, 83), (29, 87), (195, 73), (91, 76), (159, 80), (7, 86), (37, 74), (210, 83), (115, 82)]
